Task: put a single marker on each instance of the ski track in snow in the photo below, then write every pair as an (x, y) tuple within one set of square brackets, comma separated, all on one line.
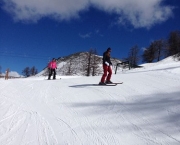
[(40, 112)]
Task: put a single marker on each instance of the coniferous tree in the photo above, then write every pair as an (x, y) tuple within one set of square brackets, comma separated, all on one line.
[(159, 48), (88, 62), (95, 63), (134, 56), (91, 61), (154, 51), (33, 71), (69, 67), (26, 72), (29, 71), (147, 57), (174, 44)]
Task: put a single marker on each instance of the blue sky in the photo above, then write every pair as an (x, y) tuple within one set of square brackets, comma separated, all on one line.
[(32, 32)]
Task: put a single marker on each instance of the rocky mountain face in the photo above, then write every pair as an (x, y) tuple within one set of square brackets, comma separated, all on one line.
[(82, 64)]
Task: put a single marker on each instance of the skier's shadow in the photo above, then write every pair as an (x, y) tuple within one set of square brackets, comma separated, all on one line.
[(82, 85)]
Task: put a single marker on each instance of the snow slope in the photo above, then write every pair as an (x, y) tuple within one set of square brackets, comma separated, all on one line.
[(144, 110)]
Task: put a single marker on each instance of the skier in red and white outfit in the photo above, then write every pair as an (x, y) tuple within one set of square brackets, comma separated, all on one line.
[(52, 66), (107, 67)]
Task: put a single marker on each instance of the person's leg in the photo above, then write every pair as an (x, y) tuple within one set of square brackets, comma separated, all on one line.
[(105, 68), (54, 74), (50, 73), (109, 74)]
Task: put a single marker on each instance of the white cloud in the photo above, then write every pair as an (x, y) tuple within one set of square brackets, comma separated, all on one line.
[(97, 32), (33, 10), (139, 13), (85, 35), (143, 49)]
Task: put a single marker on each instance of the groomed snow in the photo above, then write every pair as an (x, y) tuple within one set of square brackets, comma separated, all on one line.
[(144, 110)]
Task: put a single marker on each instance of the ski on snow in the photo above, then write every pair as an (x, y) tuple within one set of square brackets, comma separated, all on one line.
[(112, 84), (105, 85), (53, 79), (118, 83)]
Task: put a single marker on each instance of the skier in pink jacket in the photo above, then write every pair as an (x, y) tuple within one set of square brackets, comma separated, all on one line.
[(52, 66)]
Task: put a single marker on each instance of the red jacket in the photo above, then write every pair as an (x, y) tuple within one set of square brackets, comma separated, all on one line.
[(52, 65)]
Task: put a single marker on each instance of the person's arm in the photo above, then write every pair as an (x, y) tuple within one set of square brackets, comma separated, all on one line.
[(110, 61), (55, 65)]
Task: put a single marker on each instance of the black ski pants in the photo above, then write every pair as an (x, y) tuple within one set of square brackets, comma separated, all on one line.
[(52, 71)]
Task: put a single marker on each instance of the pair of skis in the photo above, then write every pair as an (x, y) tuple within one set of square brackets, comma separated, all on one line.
[(112, 84)]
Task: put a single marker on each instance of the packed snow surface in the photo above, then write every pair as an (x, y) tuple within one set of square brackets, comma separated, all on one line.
[(144, 110)]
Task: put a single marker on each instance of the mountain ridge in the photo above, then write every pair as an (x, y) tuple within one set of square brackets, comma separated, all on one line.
[(79, 63)]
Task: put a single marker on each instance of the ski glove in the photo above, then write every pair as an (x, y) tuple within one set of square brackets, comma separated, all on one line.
[(107, 63)]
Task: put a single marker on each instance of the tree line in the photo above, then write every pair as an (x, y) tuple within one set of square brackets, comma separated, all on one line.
[(157, 50), (27, 71)]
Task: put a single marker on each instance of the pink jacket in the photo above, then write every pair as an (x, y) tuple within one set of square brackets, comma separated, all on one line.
[(52, 65)]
